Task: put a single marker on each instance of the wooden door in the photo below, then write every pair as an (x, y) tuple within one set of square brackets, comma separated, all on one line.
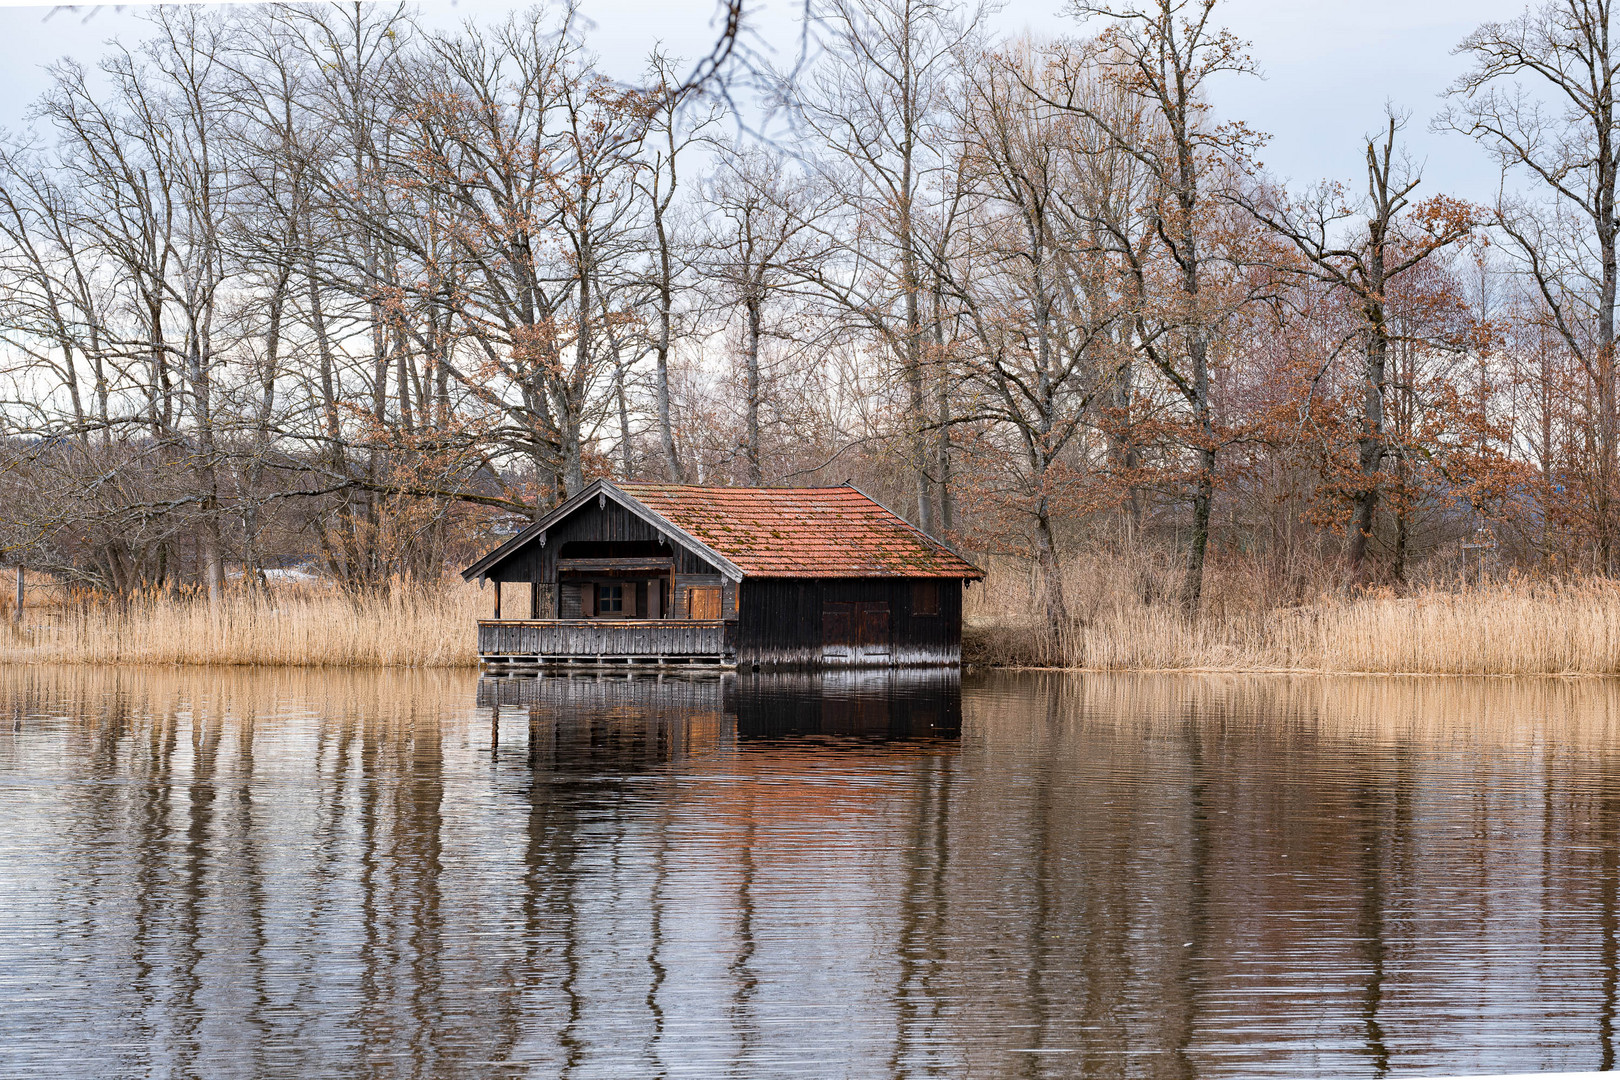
[(703, 603), (855, 632), (837, 632), (873, 630)]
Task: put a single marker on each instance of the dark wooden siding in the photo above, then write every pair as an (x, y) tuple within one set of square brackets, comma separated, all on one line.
[(781, 622), (589, 524)]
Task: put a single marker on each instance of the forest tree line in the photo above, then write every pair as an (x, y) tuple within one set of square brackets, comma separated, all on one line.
[(317, 284)]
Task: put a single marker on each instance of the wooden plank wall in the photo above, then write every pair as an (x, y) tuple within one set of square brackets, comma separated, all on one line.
[(573, 607), (589, 523), (591, 637), (780, 620), (685, 583)]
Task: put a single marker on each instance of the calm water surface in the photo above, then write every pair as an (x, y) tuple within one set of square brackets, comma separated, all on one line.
[(227, 875)]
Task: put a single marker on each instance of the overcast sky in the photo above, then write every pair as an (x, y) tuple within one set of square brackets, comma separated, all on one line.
[(1329, 65)]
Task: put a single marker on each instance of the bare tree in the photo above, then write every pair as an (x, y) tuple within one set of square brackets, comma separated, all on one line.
[(1565, 231), (680, 120), (1165, 53), (527, 156), (1032, 283), (873, 103), (1365, 266), (135, 217), (756, 248)]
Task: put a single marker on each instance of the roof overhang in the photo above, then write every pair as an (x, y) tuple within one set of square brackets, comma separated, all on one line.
[(601, 489), (977, 575)]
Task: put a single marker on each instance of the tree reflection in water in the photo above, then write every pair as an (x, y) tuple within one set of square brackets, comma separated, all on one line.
[(220, 874)]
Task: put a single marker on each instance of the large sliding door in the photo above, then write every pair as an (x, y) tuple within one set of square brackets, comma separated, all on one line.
[(855, 632)]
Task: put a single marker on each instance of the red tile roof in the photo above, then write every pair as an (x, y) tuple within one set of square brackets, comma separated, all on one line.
[(801, 532)]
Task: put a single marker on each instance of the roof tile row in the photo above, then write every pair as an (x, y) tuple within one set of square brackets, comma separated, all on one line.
[(801, 532)]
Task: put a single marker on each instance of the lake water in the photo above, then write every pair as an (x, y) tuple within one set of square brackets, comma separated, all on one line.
[(284, 874)]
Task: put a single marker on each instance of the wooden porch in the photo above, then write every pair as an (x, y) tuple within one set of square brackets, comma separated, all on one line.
[(524, 646)]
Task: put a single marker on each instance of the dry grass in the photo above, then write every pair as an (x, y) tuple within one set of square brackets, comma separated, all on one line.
[(289, 627), (1510, 627), (1122, 621)]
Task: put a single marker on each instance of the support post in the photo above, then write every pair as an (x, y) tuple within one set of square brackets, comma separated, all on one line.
[(497, 599), (534, 600)]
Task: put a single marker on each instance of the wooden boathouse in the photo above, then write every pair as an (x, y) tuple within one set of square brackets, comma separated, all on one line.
[(663, 575)]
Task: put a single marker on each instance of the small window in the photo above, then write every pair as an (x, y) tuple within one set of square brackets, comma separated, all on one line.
[(925, 598), (609, 598)]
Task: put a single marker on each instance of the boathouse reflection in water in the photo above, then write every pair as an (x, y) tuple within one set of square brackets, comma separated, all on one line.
[(900, 705), (589, 721)]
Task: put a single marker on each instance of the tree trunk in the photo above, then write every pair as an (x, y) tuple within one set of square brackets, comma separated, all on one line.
[(1371, 442), (1122, 446), (666, 428), (947, 505), (1192, 589), (1608, 429), (911, 282), (918, 402), (573, 450), (626, 458), (1402, 534), (252, 571), (666, 304), (942, 468), (751, 382), (1046, 557)]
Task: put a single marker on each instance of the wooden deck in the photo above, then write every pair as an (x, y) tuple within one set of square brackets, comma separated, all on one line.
[(521, 646)]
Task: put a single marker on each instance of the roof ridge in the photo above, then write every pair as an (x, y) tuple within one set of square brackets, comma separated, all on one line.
[(730, 487)]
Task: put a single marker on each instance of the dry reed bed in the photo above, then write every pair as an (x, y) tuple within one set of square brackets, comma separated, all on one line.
[(1504, 628), (430, 628)]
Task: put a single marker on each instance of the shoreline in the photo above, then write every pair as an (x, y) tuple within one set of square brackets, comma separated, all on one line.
[(1325, 673), (966, 669)]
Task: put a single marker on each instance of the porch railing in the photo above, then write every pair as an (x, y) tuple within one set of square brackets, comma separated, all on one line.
[(603, 640)]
